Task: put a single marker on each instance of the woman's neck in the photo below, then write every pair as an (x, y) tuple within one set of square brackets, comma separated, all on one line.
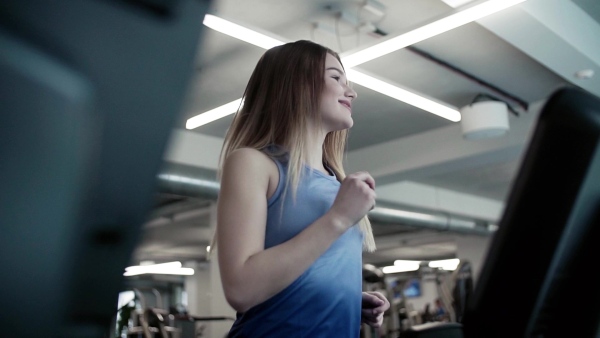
[(315, 151)]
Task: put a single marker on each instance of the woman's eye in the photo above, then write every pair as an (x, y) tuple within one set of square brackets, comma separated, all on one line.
[(337, 78)]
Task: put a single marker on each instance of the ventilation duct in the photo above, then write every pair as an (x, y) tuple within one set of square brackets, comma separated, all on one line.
[(391, 213), (183, 180)]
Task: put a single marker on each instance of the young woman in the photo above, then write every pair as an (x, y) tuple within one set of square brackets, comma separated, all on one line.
[(291, 225)]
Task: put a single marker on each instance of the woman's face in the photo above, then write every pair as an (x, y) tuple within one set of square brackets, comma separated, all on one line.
[(337, 97)]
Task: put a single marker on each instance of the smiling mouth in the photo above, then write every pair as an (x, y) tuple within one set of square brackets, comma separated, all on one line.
[(346, 105)]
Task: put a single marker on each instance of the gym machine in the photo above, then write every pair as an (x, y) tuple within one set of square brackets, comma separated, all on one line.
[(547, 234), (90, 90)]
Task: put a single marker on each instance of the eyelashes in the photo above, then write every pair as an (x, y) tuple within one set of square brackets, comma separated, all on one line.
[(339, 79)]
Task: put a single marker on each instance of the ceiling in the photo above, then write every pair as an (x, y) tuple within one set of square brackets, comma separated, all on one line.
[(520, 55)]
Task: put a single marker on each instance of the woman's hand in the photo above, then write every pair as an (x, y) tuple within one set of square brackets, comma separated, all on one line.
[(355, 198), (374, 304)]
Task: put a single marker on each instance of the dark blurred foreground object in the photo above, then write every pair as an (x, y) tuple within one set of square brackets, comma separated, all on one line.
[(89, 92), (537, 268), (434, 330), (463, 289)]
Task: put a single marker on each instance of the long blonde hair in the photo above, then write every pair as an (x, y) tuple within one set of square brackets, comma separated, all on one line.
[(281, 99)]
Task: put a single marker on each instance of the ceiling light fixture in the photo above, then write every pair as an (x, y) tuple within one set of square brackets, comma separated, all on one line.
[(404, 95), (486, 117), (445, 264), (427, 31), (364, 80), (170, 268), (424, 32), (240, 32), (402, 266), (484, 120), (213, 114)]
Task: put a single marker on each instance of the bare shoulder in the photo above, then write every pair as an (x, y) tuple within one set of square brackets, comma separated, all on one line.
[(248, 154), (248, 158), (250, 163)]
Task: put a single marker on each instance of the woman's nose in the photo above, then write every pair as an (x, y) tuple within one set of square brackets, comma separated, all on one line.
[(351, 93)]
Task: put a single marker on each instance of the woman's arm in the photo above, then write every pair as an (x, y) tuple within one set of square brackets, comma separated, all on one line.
[(250, 274)]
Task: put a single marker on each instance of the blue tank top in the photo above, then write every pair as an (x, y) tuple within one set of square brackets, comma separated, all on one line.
[(325, 301)]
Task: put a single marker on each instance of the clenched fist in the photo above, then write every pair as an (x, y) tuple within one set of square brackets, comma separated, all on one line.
[(355, 198)]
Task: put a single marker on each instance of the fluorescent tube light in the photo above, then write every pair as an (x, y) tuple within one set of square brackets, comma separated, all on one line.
[(407, 264), (180, 271), (402, 266), (445, 264), (145, 266), (214, 114), (395, 269), (457, 19), (427, 31), (404, 95), (240, 32), (353, 75), (171, 268)]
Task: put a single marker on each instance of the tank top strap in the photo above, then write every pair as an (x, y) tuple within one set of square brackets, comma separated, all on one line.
[(280, 157)]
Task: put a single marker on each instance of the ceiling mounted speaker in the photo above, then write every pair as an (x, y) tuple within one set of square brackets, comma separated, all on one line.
[(484, 119)]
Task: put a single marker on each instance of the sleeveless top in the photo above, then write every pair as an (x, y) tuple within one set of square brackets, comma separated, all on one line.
[(325, 301)]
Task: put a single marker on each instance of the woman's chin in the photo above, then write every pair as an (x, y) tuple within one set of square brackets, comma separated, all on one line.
[(349, 124), (341, 125), (346, 124)]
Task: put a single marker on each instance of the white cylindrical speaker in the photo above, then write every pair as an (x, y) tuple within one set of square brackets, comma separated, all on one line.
[(484, 119)]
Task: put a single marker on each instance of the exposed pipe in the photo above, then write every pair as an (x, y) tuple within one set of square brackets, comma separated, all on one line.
[(522, 103), (191, 181), (184, 180), (386, 212)]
